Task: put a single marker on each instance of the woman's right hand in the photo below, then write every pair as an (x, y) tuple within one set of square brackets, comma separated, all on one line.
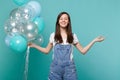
[(31, 44)]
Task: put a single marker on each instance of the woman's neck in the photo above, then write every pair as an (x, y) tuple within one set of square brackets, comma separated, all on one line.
[(63, 33), (62, 30)]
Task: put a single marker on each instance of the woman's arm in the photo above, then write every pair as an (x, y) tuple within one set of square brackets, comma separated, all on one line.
[(44, 50), (84, 50)]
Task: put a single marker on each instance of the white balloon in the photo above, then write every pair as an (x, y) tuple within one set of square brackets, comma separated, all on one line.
[(36, 6)]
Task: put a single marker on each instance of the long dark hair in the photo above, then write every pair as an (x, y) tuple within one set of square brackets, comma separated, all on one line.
[(58, 37)]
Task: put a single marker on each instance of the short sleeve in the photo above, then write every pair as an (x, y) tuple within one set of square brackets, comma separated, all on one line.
[(75, 39), (51, 39)]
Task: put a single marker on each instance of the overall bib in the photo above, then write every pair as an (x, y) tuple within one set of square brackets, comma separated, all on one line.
[(62, 67)]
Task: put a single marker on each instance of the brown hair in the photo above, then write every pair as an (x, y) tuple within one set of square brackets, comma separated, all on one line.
[(58, 37)]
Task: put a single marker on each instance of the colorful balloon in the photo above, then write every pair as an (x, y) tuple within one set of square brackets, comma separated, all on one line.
[(18, 43), (20, 2), (24, 25), (40, 23)]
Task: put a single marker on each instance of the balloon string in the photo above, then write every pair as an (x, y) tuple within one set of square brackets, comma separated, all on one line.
[(26, 63)]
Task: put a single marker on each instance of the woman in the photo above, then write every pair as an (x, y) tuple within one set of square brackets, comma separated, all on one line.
[(62, 42)]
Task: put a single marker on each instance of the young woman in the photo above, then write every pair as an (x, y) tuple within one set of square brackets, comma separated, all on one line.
[(62, 41)]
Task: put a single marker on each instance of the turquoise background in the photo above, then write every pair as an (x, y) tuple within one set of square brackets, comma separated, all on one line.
[(90, 18)]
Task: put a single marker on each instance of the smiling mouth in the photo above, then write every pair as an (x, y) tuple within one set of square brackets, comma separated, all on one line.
[(63, 23)]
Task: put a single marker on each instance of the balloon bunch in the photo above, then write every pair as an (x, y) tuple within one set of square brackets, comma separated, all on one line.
[(24, 25)]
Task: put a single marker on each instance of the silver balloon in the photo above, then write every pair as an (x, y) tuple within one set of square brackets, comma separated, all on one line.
[(15, 14), (39, 40), (11, 26), (29, 30)]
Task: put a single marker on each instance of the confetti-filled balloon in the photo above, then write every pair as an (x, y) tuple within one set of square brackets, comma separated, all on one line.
[(29, 30), (39, 40), (11, 26)]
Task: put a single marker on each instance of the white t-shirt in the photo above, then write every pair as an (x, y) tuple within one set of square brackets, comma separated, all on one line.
[(52, 40)]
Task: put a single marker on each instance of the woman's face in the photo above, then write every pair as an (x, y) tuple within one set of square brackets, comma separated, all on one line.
[(63, 21)]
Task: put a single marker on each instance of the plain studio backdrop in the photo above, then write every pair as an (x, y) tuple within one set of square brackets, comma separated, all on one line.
[(90, 18)]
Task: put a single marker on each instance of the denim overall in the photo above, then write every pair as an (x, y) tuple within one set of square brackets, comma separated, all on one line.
[(62, 67)]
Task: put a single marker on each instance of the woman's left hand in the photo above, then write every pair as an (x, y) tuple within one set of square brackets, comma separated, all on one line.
[(99, 39)]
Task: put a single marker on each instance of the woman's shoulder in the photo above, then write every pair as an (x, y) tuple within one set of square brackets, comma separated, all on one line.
[(52, 34), (74, 35)]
